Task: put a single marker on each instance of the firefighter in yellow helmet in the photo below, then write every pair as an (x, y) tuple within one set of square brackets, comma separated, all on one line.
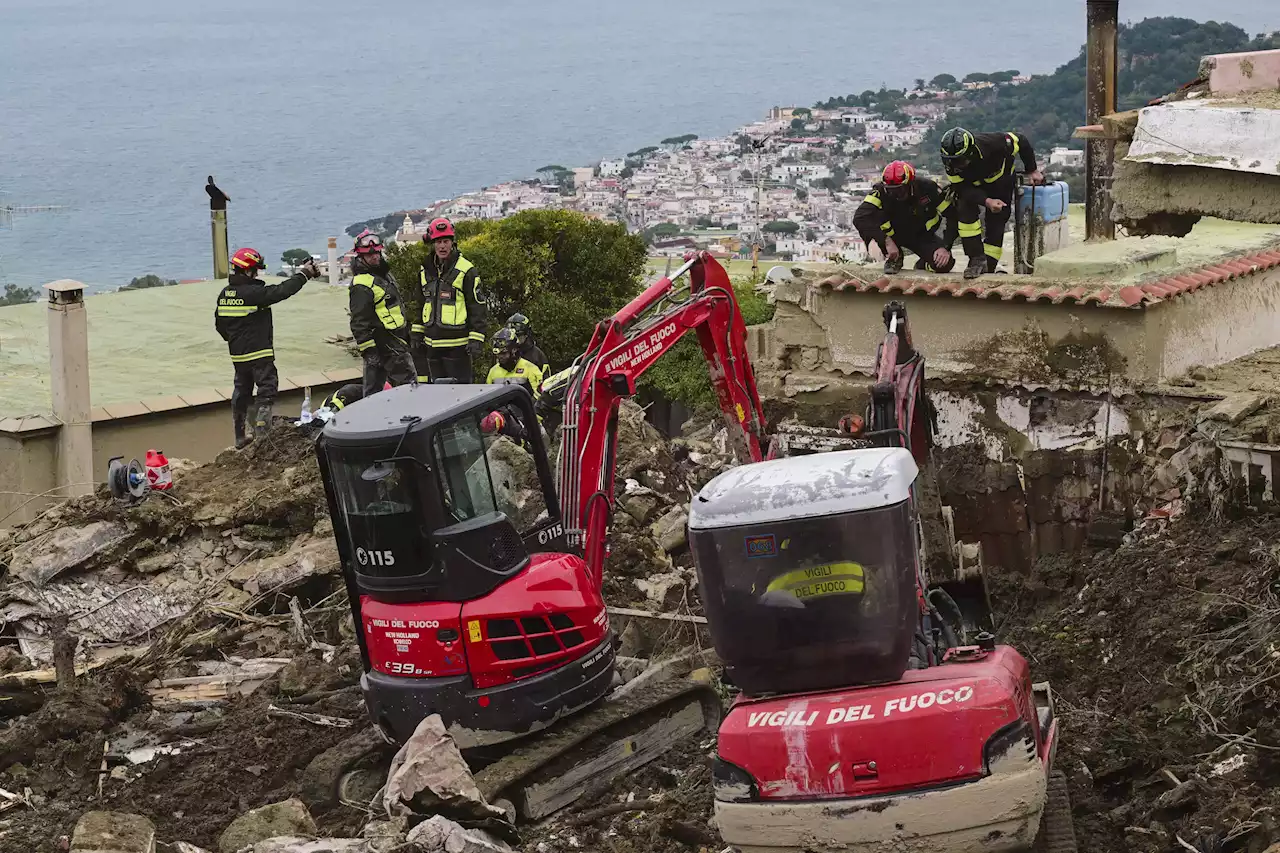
[(510, 367), (450, 330)]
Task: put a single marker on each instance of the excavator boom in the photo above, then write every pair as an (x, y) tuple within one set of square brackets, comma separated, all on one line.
[(622, 348)]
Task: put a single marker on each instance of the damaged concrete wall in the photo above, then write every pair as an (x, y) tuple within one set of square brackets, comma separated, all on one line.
[(1141, 190), (27, 470), (1217, 324)]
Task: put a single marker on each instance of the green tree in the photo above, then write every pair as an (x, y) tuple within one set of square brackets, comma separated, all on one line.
[(919, 83), (14, 295), (148, 281), (797, 124), (943, 81), (295, 257), (802, 112), (704, 222), (977, 77), (781, 226), (563, 270)]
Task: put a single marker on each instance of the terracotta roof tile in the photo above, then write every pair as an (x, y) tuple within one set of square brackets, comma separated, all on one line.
[(1007, 287)]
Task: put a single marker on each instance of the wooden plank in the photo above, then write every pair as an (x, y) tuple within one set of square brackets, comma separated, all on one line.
[(1121, 125), (631, 613), (1090, 131), (540, 799)]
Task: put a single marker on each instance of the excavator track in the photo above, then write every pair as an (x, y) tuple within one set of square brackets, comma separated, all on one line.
[(588, 751), (1057, 833)]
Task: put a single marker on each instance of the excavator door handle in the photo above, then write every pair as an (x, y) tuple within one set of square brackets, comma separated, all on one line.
[(865, 771)]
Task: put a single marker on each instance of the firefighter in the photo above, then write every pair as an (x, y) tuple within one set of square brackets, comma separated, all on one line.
[(450, 331), (339, 400), (980, 167), (903, 213), (508, 420), (529, 349), (243, 319), (377, 318)]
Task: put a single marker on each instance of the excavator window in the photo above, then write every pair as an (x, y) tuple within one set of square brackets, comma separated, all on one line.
[(465, 483)]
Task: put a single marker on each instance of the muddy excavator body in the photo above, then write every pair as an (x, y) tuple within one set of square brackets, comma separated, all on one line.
[(875, 713)]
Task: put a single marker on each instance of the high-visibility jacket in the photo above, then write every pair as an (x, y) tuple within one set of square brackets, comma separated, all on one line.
[(997, 155), (376, 309), (453, 305), (882, 215), (243, 314), (523, 369)]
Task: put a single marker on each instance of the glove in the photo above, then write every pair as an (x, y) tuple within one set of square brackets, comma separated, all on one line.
[(416, 340), (474, 348), (492, 423), (310, 270)]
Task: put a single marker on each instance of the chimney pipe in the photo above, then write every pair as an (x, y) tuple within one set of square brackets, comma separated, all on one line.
[(1101, 60), (69, 377), (334, 273)]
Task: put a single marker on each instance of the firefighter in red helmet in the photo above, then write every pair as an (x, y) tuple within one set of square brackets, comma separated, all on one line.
[(378, 320), (243, 319), (450, 330), (903, 212)]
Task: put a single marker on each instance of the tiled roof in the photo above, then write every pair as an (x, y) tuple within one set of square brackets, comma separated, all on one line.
[(1032, 289)]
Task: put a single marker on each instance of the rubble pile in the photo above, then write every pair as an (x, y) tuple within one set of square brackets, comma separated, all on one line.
[(181, 673)]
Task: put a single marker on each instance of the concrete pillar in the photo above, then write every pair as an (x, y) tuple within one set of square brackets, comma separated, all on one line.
[(1101, 61), (334, 273), (69, 378)]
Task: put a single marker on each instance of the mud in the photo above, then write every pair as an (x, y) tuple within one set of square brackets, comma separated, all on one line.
[(1143, 189), (1028, 354)]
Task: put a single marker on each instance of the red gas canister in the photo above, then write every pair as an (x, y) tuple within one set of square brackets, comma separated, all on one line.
[(158, 474)]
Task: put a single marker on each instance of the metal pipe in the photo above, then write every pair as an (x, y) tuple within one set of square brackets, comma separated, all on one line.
[(221, 252), (1101, 62), (334, 273)]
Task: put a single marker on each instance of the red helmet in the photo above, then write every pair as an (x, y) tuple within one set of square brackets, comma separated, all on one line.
[(898, 173), (248, 259), (368, 243), (438, 230)]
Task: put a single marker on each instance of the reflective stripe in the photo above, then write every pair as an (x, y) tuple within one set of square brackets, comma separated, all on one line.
[(446, 342), (874, 199), (889, 232), (417, 327), (996, 252), (886, 226), (236, 310), (955, 179), (970, 229), (946, 203), (997, 176), (425, 380), (932, 223), (253, 356), (476, 336), (364, 345), (1017, 144), (453, 312), (391, 318)]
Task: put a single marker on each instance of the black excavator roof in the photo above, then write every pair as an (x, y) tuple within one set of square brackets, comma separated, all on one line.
[(383, 415)]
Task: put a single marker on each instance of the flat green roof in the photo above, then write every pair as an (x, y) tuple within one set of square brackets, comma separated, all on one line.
[(160, 341)]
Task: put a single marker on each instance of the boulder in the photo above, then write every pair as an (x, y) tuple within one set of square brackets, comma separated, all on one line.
[(428, 776), (113, 832), (289, 818), (665, 591), (640, 503), (670, 530), (441, 835), (384, 836)]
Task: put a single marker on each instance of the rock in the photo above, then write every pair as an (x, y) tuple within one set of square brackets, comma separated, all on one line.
[(12, 660), (1235, 408), (113, 832), (44, 558), (294, 844), (428, 776), (289, 818), (306, 558), (665, 590), (383, 836), (1180, 801), (184, 847), (670, 530), (641, 504), (634, 643), (441, 835)]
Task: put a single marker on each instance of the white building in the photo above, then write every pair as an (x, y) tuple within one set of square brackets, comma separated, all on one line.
[(1066, 158), (612, 168)]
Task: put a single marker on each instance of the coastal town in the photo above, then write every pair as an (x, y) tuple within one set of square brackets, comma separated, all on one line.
[(786, 186)]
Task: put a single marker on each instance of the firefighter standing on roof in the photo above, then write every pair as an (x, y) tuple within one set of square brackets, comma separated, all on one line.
[(903, 213), (243, 319), (377, 318), (450, 331), (980, 167)]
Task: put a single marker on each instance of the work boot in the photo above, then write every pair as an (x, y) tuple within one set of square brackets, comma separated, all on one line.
[(893, 266), (242, 437), (922, 264), (977, 268), (992, 263)]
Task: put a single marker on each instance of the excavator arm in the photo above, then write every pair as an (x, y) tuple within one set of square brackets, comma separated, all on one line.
[(622, 348)]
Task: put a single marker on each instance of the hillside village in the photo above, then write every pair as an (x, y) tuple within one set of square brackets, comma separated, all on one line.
[(790, 182)]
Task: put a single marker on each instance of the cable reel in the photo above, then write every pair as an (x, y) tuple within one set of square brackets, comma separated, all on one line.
[(127, 482)]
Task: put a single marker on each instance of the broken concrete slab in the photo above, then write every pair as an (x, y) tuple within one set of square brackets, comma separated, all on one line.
[(1235, 407), (670, 530), (1238, 73), (640, 503), (428, 776), (1092, 260), (293, 844), (113, 832), (664, 590), (306, 558), (441, 835), (289, 818), (43, 558)]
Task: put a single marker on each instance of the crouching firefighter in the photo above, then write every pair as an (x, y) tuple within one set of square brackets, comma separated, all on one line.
[(243, 319), (377, 319), (902, 213), (511, 367), (450, 331), (980, 167)]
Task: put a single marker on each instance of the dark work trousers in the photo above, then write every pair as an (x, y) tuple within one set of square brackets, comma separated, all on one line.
[(421, 361), (387, 361), (450, 363), (260, 372), (989, 241), (924, 244)]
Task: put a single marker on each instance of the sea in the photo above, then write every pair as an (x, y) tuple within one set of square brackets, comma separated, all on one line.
[(313, 114)]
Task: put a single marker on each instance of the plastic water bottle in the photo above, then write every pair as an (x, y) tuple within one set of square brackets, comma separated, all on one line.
[(306, 407)]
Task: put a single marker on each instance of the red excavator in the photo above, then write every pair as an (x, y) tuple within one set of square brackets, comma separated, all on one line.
[(487, 609)]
